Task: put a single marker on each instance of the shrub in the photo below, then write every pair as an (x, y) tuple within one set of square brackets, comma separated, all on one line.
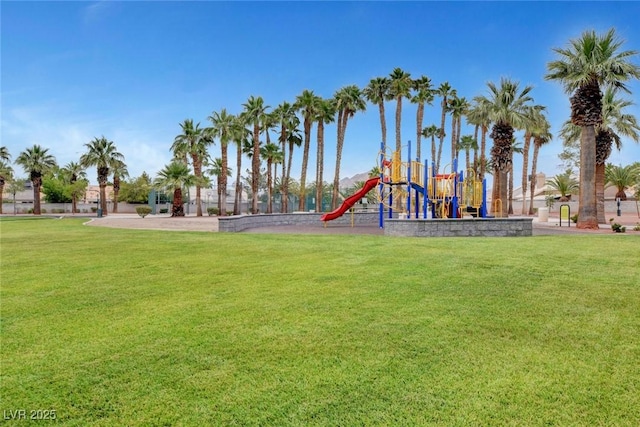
[(143, 210), (637, 227), (94, 209), (164, 210), (617, 227), (213, 211), (229, 213), (574, 218)]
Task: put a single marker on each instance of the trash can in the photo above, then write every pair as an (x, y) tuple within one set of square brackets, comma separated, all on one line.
[(99, 213), (543, 214)]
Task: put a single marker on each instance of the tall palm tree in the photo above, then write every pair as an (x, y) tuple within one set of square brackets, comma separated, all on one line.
[(541, 135), (119, 171), (306, 103), (75, 172), (423, 95), (622, 177), (515, 148), (615, 124), (431, 132), (239, 135), (444, 91), (216, 170), (478, 114), (377, 92), (458, 108), (468, 143), (325, 113), (348, 101), (507, 110), (193, 143), (285, 116), (36, 161), (174, 177), (400, 87), (222, 128), (6, 173), (533, 116), (272, 154), (102, 154), (590, 62), (254, 110)]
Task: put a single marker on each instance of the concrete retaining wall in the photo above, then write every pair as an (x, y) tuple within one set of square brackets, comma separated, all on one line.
[(477, 227), (244, 222)]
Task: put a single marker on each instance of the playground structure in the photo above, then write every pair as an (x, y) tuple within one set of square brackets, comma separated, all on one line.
[(419, 192)]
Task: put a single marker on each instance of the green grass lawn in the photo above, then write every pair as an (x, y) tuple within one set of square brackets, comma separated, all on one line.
[(123, 327)]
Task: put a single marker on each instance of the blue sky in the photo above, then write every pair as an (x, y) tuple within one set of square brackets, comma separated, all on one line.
[(132, 71)]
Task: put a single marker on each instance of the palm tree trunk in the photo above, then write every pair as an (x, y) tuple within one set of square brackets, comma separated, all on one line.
[(238, 196), (419, 119), (532, 183), (510, 196), (286, 182), (37, 184), (197, 171), (284, 205), (398, 123), (433, 149), (224, 170), (319, 166), (269, 178), (116, 191), (443, 119), (483, 149), (525, 168), (475, 151), (177, 208), (305, 161), (383, 125), (336, 177), (600, 193), (1, 192), (255, 168), (587, 206)]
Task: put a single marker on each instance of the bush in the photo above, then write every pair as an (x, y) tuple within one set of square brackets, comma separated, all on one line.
[(213, 211), (574, 218), (143, 210), (164, 210), (229, 213), (637, 227), (94, 210), (617, 227)]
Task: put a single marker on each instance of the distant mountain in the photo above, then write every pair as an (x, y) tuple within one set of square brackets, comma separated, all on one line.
[(350, 182)]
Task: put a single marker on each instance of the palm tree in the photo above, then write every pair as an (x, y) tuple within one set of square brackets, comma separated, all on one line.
[(254, 110), (533, 116), (4, 154), (507, 110), (75, 172), (119, 171), (590, 62), (174, 177), (348, 101), (193, 142), (478, 114), (306, 102), (272, 154), (36, 161), (239, 135), (615, 123), (541, 136), (424, 95), (6, 173), (515, 148), (622, 177), (431, 132), (222, 127), (377, 92), (285, 115), (468, 143), (102, 154), (565, 185), (458, 108), (325, 113), (444, 90), (400, 87), (216, 170)]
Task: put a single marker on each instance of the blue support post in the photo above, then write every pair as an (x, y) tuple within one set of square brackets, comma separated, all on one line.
[(408, 179), (454, 201), (425, 187), (484, 198)]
